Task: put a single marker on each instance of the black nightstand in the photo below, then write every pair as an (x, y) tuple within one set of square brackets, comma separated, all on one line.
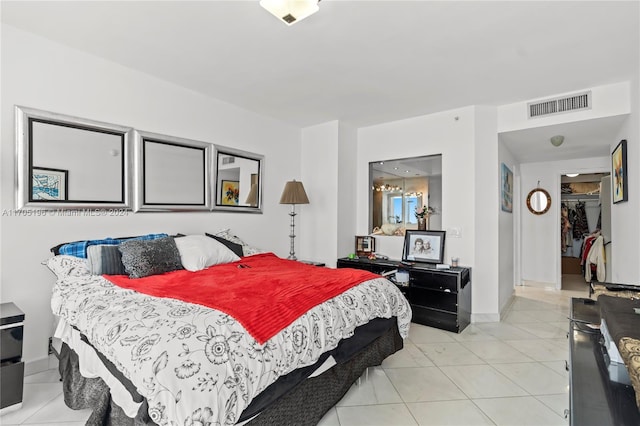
[(11, 364)]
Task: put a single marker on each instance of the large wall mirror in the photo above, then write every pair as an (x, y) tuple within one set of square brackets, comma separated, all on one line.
[(238, 180), (65, 162), (172, 174), (399, 187)]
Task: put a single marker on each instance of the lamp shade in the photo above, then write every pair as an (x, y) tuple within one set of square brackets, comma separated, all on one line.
[(252, 198), (290, 11), (294, 193)]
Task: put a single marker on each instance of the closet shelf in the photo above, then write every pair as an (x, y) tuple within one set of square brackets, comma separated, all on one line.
[(579, 196)]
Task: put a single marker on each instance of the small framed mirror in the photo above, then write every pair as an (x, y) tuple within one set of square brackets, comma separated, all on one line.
[(238, 180), (66, 162), (172, 174), (538, 201)]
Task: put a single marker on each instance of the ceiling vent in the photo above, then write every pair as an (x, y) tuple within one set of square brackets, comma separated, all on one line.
[(576, 102), (228, 160)]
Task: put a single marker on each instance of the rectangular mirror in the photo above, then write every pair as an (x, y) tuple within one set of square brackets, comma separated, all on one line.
[(400, 189), (172, 174), (238, 180), (66, 162)]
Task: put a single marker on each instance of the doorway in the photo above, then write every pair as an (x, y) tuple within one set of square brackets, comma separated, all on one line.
[(585, 216)]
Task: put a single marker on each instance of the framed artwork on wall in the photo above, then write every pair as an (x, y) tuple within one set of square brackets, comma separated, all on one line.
[(507, 189), (423, 246), (230, 193), (619, 173), (49, 184)]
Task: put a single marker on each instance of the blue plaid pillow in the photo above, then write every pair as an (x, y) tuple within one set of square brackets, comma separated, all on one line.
[(79, 248)]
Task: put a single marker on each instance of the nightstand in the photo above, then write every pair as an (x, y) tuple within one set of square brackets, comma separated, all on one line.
[(11, 364)]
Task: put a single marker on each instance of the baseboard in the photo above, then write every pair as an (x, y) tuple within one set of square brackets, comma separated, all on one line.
[(485, 318), (538, 284), (39, 365)]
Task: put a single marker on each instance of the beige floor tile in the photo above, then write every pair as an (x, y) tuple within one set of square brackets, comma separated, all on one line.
[(449, 354), (482, 381), (58, 410), (519, 411), (535, 378), (494, 352), (541, 349), (422, 334), (448, 413), (378, 415), (409, 356), (373, 387), (330, 419), (424, 384), (558, 403), (35, 396)]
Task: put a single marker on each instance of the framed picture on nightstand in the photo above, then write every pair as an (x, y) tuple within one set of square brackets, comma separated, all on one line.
[(423, 246), (365, 245)]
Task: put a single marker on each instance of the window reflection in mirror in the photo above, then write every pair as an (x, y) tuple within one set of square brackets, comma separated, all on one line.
[(238, 180), (69, 162), (399, 187)]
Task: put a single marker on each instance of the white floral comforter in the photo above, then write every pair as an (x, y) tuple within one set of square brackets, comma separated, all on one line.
[(196, 365)]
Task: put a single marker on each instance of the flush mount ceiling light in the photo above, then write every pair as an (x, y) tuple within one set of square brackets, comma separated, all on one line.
[(572, 174), (557, 140), (291, 11)]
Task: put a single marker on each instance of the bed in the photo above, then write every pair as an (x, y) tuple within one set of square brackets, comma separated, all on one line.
[(265, 340)]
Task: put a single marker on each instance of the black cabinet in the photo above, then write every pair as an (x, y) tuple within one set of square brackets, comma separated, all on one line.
[(439, 297), (595, 399), (11, 365)]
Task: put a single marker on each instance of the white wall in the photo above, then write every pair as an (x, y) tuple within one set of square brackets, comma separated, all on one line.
[(347, 156), (507, 248), (540, 234), (461, 136), (318, 219), (55, 78), (625, 217)]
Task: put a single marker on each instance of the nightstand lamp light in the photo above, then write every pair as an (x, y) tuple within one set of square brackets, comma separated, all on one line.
[(293, 194), (252, 198)]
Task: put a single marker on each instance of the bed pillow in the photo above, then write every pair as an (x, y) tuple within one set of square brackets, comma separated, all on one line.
[(105, 259), (79, 248), (63, 266), (247, 250), (234, 247), (142, 258), (198, 252)]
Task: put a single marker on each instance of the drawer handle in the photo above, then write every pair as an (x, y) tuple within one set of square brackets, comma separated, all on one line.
[(447, 290), (566, 365)]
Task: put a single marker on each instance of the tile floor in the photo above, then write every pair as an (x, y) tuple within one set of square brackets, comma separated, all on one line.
[(507, 373)]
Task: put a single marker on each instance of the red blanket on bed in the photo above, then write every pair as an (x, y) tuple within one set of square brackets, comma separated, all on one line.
[(263, 292)]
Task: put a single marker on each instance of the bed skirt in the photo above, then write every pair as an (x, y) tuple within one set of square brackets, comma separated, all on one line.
[(305, 404)]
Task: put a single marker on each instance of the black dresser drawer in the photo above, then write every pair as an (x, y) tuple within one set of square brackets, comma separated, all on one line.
[(11, 385), (434, 280), (444, 301), (11, 343), (434, 318)]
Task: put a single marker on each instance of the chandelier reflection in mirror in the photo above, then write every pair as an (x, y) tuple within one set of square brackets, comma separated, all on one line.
[(401, 187)]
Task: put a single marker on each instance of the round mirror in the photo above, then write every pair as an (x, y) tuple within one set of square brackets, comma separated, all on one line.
[(538, 201)]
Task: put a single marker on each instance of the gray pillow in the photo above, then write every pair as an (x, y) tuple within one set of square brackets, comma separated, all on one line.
[(151, 257), (105, 259)]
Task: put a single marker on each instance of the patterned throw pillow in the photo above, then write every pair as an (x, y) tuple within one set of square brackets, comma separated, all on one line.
[(105, 259), (151, 257), (63, 266)]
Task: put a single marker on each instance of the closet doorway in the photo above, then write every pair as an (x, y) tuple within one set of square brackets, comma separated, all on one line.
[(585, 215)]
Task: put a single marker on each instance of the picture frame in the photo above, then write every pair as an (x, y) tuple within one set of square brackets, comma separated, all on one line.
[(507, 189), (49, 184), (619, 172), (230, 193), (423, 246), (365, 245)]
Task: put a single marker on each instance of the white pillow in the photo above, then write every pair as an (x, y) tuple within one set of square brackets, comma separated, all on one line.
[(198, 252), (63, 266)]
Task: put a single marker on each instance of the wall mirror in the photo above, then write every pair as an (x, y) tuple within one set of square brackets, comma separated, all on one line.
[(238, 180), (172, 174), (538, 201), (65, 162), (398, 188)]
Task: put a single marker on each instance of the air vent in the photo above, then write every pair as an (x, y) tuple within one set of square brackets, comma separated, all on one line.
[(559, 105), (228, 160)]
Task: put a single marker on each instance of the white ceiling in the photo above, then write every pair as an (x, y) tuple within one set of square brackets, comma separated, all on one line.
[(362, 62)]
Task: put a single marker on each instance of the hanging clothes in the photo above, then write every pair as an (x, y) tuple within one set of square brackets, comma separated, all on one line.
[(580, 225), (596, 257), (565, 226)]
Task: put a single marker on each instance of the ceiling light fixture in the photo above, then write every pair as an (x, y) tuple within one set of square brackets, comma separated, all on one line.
[(557, 140), (290, 11), (572, 174)]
